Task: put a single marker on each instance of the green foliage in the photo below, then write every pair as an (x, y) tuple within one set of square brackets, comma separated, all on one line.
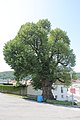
[(44, 24), (9, 88), (39, 51), (66, 103), (78, 75), (9, 75)]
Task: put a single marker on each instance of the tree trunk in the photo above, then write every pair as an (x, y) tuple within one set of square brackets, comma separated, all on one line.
[(46, 90)]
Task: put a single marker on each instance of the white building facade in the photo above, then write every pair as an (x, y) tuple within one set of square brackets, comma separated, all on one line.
[(60, 92)]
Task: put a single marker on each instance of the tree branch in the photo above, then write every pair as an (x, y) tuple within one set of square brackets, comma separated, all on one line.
[(60, 80)]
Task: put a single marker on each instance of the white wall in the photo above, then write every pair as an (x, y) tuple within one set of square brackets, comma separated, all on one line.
[(57, 92), (32, 91)]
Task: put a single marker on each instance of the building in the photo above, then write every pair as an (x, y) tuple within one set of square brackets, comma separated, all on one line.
[(59, 91)]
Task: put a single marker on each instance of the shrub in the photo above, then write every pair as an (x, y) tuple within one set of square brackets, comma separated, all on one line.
[(9, 88)]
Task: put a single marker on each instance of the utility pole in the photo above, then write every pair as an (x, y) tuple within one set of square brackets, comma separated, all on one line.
[(72, 88)]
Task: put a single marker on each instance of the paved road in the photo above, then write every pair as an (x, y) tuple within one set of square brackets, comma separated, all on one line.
[(15, 108)]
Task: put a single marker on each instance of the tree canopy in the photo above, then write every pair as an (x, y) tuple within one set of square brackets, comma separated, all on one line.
[(42, 52)]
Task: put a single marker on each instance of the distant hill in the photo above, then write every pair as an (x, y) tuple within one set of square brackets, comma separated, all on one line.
[(7, 75)]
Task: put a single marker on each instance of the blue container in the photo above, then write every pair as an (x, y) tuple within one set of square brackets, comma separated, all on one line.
[(39, 98)]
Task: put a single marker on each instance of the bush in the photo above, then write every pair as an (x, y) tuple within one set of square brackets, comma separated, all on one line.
[(9, 88)]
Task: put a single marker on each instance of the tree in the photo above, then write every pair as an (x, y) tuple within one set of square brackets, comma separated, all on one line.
[(42, 52)]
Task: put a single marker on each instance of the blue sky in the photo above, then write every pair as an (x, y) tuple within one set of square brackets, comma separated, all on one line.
[(64, 14)]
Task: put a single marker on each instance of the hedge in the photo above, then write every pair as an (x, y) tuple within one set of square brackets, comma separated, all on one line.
[(9, 88)]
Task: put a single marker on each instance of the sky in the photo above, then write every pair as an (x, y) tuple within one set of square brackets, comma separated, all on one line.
[(63, 14)]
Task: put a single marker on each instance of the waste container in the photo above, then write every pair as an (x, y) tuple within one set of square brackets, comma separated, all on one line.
[(39, 98)]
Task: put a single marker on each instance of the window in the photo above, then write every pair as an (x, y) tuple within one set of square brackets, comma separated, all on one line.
[(62, 96), (61, 89), (56, 96)]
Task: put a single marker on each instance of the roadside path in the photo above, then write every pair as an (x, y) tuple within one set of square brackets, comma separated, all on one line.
[(16, 108)]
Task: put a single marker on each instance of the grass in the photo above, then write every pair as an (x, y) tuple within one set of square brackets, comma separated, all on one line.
[(55, 102), (66, 103)]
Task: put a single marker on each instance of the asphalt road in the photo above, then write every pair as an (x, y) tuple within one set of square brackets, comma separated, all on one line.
[(16, 108)]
